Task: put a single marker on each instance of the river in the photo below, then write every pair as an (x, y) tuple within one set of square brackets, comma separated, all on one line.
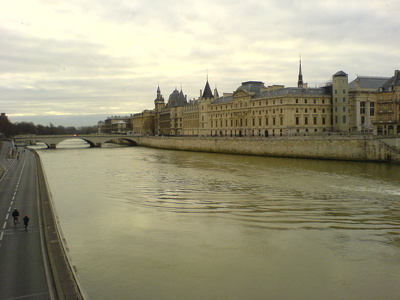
[(145, 223)]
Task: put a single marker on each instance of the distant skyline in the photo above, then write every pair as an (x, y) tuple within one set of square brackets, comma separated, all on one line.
[(74, 63)]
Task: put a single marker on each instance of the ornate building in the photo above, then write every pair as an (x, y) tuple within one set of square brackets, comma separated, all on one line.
[(367, 104)]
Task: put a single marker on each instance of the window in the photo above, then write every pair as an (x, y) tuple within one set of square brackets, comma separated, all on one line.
[(344, 119), (305, 101), (281, 120), (323, 120), (306, 120), (297, 121), (266, 121), (297, 100), (372, 109), (362, 107), (315, 120)]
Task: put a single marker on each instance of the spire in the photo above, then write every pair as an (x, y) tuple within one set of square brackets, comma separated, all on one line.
[(300, 81), (207, 91)]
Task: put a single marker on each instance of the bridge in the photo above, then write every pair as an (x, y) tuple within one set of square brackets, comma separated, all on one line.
[(94, 140)]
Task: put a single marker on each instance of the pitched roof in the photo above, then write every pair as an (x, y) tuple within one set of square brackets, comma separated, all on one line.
[(176, 99), (207, 92), (340, 73), (391, 82), (368, 82), (251, 86)]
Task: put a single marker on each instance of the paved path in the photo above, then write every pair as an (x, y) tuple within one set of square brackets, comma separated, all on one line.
[(24, 271)]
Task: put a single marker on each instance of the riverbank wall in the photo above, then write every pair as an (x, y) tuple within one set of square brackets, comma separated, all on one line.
[(64, 276), (352, 148)]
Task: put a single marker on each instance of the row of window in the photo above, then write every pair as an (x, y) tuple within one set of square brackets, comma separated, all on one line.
[(274, 111), (266, 102), (274, 122)]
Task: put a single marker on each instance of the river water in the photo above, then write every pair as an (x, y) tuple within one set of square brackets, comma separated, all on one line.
[(144, 223)]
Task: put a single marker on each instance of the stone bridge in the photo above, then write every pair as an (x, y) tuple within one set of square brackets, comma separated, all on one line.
[(94, 140)]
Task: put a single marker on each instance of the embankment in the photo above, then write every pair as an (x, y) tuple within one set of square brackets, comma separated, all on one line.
[(65, 279), (357, 148)]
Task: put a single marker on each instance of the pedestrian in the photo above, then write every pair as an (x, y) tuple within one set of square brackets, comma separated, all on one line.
[(26, 221)]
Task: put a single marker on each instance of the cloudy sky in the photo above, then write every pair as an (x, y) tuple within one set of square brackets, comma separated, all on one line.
[(78, 61)]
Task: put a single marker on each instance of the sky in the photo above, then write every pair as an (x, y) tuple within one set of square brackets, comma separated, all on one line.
[(74, 63)]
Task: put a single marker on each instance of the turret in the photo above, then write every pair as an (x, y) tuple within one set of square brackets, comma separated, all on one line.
[(159, 101)]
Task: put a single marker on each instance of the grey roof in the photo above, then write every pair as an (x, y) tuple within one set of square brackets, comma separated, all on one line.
[(251, 86), (222, 100), (207, 92), (340, 73), (176, 99), (393, 81), (368, 82)]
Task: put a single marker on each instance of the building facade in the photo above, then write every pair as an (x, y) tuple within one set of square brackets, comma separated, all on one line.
[(362, 101), (365, 105), (387, 120)]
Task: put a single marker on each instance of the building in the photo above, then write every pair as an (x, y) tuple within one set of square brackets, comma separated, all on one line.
[(362, 101), (365, 105), (387, 121), (169, 117), (115, 124), (143, 123)]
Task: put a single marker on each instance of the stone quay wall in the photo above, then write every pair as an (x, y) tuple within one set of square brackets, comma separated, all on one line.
[(358, 148)]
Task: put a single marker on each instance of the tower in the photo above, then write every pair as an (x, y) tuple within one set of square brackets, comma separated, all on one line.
[(340, 102), (204, 104), (159, 101)]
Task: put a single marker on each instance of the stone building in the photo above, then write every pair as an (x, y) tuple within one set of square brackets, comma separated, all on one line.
[(362, 101), (143, 123), (387, 121), (168, 117), (115, 124), (365, 105)]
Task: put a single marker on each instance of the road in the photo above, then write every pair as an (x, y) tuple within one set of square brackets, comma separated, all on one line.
[(24, 271)]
